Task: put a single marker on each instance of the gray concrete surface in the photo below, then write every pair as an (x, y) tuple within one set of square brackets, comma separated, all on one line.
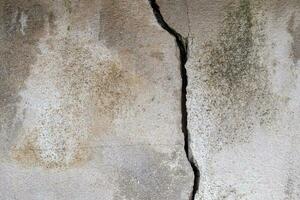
[(90, 100), (243, 96), (89, 103)]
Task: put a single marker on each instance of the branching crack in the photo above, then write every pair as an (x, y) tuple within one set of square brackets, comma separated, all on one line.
[(182, 44)]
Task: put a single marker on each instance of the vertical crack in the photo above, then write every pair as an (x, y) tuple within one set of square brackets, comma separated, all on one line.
[(182, 44)]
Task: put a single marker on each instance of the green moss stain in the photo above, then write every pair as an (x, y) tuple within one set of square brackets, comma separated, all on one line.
[(232, 73)]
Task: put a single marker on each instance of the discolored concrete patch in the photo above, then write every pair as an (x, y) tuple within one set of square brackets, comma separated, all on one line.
[(82, 95), (22, 24), (82, 99), (242, 96), (242, 106), (294, 30), (237, 83), (71, 95)]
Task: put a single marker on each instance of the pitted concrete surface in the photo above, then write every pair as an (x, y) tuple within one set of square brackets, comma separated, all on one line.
[(89, 103), (243, 96), (91, 100)]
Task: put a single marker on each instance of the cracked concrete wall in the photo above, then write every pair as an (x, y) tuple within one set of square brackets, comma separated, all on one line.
[(91, 100), (89, 103), (243, 95)]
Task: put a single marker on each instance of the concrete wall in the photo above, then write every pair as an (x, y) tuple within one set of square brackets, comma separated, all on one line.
[(91, 100), (89, 103), (243, 96)]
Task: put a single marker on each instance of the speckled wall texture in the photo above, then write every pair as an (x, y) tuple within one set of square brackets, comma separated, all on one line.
[(91, 100), (243, 96)]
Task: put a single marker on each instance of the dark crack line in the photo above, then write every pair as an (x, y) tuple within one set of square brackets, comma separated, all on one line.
[(182, 44)]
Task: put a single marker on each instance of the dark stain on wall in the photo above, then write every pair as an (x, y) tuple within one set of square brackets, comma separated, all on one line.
[(21, 25), (93, 90), (92, 94), (294, 30), (237, 82), (119, 23)]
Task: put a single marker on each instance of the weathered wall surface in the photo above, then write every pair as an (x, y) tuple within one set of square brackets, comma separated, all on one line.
[(243, 96), (91, 100), (89, 103)]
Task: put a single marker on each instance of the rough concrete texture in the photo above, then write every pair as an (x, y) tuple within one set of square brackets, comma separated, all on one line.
[(89, 103), (243, 96), (91, 100)]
